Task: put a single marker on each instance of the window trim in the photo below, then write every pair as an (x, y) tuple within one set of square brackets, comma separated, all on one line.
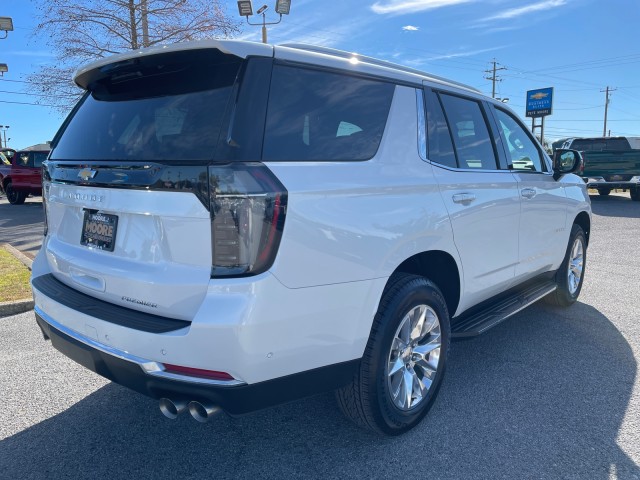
[(421, 117)]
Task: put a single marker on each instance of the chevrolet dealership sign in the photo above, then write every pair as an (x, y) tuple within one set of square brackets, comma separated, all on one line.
[(539, 102)]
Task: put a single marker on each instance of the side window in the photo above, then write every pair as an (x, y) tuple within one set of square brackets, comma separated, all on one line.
[(317, 115), (522, 150), (39, 157), (470, 133), (23, 160), (440, 144)]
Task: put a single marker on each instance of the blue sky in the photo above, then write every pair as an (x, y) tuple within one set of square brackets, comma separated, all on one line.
[(579, 47)]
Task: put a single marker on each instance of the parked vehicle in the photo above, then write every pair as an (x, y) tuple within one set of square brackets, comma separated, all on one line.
[(609, 163), (6, 155), (22, 176), (235, 225)]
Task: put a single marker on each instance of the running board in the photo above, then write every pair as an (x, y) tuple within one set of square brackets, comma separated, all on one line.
[(479, 322)]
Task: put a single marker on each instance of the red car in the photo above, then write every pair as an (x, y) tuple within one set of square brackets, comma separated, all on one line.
[(23, 175)]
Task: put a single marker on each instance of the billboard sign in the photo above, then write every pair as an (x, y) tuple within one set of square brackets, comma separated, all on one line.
[(539, 102)]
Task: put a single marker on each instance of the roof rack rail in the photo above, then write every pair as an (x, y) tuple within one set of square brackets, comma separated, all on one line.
[(374, 61)]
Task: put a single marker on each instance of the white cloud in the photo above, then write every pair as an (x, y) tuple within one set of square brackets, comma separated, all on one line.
[(469, 53), (534, 7), (410, 28), (31, 53), (400, 7)]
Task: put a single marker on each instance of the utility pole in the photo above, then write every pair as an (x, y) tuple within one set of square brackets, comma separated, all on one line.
[(494, 78), (606, 108)]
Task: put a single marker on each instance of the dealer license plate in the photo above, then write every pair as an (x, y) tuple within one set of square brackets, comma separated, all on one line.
[(99, 230)]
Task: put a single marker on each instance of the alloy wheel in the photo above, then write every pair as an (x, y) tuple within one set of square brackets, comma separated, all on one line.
[(413, 359)]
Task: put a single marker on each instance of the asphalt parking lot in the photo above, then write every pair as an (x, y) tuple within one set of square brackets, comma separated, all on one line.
[(22, 225), (551, 393)]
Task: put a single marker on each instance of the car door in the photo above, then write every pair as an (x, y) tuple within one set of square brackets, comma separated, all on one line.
[(482, 199), (542, 234), (21, 172)]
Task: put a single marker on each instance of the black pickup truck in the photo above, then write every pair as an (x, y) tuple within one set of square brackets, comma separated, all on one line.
[(609, 162)]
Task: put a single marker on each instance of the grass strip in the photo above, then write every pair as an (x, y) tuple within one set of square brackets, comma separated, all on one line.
[(14, 278)]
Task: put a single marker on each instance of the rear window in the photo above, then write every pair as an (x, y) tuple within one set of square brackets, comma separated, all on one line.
[(600, 144), (160, 107), (319, 115)]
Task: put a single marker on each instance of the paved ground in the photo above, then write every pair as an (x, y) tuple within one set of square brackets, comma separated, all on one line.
[(21, 225), (551, 393)]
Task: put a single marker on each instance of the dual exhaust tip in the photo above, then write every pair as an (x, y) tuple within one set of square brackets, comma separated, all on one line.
[(200, 411)]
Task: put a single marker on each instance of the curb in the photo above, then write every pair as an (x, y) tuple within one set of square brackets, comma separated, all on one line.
[(18, 306)]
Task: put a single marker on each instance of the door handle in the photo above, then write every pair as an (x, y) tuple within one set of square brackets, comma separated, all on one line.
[(464, 198), (528, 192)]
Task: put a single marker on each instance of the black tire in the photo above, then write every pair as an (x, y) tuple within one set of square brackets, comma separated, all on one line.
[(635, 194), (15, 197), (368, 400), (566, 294), (604, 191)]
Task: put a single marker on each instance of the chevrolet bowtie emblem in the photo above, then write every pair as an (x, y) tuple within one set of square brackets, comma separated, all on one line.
[(87, 173)]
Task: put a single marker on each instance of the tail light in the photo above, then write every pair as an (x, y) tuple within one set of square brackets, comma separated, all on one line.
[(248, 206), (197, 372), (46, 183)]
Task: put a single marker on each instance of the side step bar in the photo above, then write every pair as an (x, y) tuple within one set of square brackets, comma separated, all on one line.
[(494, 314)]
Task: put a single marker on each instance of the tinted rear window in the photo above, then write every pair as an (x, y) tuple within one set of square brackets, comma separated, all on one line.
[(319, 115), (599, 144), (161, 107)]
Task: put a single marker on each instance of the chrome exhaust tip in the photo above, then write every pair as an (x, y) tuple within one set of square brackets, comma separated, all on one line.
[(202, 412), (171, 409)]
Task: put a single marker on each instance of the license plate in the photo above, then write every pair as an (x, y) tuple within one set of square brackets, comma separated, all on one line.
[(99, 230)]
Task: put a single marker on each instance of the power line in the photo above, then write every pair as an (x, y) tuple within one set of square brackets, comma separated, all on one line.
[(27, 103), (32, 95), (14, 81)]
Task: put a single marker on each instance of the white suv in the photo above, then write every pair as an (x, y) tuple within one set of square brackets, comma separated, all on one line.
[(234, 225)]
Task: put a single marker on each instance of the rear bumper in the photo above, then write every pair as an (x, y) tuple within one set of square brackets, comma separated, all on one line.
[(147, 377), (600, 182)]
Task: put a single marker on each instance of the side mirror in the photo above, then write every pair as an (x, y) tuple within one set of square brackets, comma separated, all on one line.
[(566, 161)]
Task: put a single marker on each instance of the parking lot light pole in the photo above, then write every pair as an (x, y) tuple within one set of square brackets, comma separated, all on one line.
[(245, 8), (6, 26), (4, 131)]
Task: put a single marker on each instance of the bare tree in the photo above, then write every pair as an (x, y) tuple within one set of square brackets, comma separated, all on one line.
[(83, 30)]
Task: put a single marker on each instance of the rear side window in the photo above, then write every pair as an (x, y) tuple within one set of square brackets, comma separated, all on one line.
[(318, 115), (160, 107), (470, 133)]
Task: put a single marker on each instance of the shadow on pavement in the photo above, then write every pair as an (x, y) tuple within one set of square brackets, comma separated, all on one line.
[(541, 396), (615, 206)]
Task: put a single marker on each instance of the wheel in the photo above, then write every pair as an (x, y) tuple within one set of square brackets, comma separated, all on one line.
[(570, 275), (404, 360), (604, 191), (15, 197), (635, 194)]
